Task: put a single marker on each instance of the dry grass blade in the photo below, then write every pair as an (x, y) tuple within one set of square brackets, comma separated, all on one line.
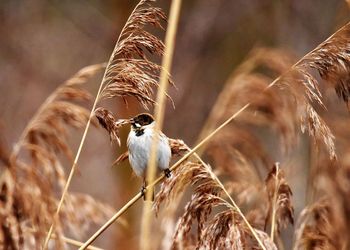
[(279, 193), (269, 107), (267, 242), (30, 233), (123, 157)]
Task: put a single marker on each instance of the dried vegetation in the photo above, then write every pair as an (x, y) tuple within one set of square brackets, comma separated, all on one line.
[(33, 175), (245, 201)]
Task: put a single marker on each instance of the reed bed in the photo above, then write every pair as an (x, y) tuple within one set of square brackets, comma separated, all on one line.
[(228, 191)]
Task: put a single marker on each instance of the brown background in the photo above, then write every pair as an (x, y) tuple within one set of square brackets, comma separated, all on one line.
[(42, 43)]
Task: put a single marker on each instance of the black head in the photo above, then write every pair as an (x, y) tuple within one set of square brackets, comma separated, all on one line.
[(141, 120)]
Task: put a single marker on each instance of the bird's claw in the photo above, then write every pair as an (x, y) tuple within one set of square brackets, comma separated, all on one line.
[(167, 173), (143, 192)]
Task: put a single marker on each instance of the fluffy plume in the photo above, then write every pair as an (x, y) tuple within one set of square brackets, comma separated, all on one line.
[(232, 145), (223, 233), (11, 233), (325, 224), (202, 201), (178, 147), (289, 102), (130, 72), (318, 129), (318, 227), (279, 193), (237, 151), (331, 59), (225, 230), (47, 127), (190, 173), (91, 212), (248, 84), (286, 104), (4, 155), (107, 121), (238, 161), (36, 173), (329, 217)]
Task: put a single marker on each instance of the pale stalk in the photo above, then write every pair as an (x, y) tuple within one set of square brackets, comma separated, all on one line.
[(74, 166), (159, 117), (69, 240), (75, 242), (65, 189), (274, 201), (173, 167)]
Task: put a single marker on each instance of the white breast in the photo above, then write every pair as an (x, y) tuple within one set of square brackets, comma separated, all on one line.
[(140, 147)]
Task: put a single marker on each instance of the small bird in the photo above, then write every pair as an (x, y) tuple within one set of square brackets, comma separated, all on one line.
[(139, 144)]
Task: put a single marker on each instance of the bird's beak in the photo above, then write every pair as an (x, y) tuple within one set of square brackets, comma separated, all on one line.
[(133, 123)]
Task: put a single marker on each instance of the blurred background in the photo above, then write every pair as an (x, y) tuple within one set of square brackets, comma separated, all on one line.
[(45, 42)]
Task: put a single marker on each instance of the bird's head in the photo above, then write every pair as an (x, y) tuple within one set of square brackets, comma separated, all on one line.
[(141, 120)]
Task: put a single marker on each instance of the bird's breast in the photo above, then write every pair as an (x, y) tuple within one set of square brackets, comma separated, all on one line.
[(140, 147)]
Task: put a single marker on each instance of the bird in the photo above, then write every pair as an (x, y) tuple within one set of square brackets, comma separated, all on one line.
[(139, 145)]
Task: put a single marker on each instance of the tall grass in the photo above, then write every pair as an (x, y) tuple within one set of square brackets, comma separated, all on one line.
[(236, 194)]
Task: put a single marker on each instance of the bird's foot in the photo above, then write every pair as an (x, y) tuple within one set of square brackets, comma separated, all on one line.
[(167, 173), (143, 192)]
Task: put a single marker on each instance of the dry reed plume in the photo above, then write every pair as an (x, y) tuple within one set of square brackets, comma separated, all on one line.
[(285, 105), (281, 210), (225, 230), (245, 201), (128, 72), (34, 175)]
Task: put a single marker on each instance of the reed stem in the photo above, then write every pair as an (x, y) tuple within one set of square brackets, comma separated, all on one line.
[(159, 117)]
